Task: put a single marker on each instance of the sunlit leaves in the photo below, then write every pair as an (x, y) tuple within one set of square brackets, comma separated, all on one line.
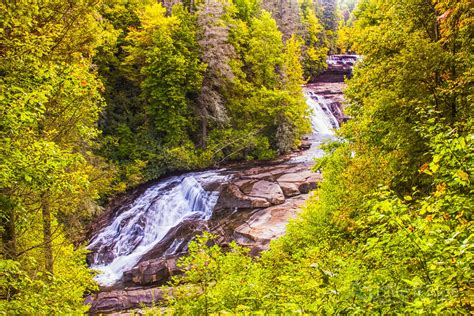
[(50, 105)]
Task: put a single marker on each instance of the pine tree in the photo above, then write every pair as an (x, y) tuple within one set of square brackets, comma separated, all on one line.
[(328, 14), (287, 15), (216, 53)]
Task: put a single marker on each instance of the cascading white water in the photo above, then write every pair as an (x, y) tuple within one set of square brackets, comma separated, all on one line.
[(323, 120), (119, 246), (146, 221), (323, 123)]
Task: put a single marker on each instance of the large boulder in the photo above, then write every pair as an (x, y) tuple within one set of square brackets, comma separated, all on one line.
[(154, 271), (304, 181), (122, 300), (310, 183), (232, 198), (289, 189), (245, 185), (269, 191)]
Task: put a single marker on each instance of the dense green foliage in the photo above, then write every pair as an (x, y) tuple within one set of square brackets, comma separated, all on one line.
[(49, 175), (389, 231), (195, 84), (99, 96)]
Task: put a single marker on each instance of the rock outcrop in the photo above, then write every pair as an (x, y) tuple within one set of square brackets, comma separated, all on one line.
[(282, 190), (233, 198), (153, 271), (266, 225), (122, 300)]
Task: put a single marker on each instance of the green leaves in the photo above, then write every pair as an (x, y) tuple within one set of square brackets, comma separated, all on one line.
[(42, 293), (50, 105), (165, 51), (265, 51)]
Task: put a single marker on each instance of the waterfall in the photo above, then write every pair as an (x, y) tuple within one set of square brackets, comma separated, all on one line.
[(323, 120), (141, 225), (323, 123), (134, 232)]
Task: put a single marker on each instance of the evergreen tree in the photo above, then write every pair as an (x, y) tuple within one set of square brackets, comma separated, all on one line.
[(216, 53), (328, 14), (287, 15)]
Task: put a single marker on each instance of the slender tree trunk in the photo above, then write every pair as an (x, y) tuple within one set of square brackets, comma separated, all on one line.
[(453, 77), (10, 251), (204, 131), (48, 247), (9, 234)]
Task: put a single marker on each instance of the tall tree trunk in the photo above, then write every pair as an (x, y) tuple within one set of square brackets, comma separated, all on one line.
[(204, 131), (48, 247), (9, 233), (8, 225)]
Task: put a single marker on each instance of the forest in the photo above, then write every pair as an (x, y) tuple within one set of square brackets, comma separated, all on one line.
[(99, 97)]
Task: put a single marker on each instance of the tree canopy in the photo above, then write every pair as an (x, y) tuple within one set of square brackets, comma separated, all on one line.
[(99, 96)]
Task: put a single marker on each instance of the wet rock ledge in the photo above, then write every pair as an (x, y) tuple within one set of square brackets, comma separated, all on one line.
[(260, 202)]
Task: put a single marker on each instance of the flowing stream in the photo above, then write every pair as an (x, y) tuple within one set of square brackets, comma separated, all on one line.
[(141, 225), (323, 120), (119, 246)]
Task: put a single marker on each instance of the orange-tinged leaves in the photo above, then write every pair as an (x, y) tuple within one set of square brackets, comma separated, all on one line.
[(423, 168), (440, 189), (444, 15), (463, 175)]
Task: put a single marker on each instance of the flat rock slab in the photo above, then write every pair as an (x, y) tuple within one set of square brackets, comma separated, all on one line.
[(293, 177), (267, 190), (267, 224), (107, 302)]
